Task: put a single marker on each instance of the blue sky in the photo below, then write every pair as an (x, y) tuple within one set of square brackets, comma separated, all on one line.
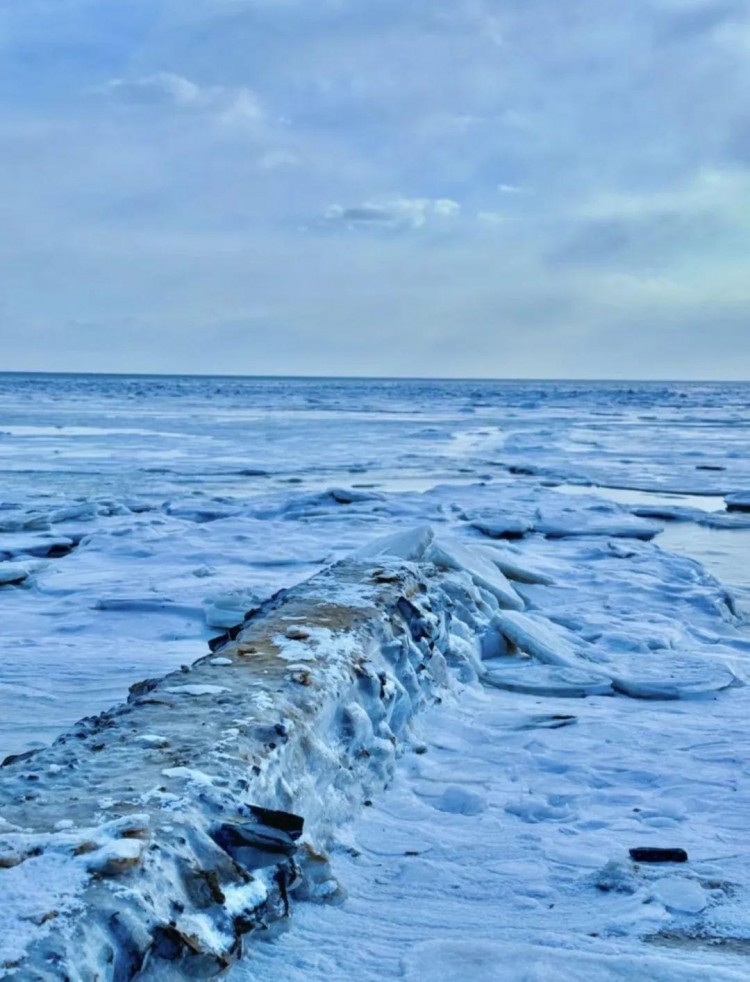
[(388, 187)]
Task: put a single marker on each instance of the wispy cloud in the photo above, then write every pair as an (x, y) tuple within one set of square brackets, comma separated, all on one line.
[(398, 212), (165, 89)]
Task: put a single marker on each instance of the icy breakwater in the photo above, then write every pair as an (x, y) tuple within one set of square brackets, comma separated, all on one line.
[(151, 839)]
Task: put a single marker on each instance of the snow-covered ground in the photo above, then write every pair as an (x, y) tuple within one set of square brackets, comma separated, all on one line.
[(140, 517)]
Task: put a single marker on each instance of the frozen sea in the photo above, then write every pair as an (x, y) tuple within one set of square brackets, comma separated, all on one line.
[(140, 516)]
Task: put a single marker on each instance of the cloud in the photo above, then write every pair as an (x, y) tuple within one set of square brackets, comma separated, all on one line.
[(398, 212), (571, 180), (160, 89), (167, 90), (275, 159)]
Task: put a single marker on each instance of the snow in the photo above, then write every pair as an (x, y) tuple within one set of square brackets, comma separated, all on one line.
[(598, 652)]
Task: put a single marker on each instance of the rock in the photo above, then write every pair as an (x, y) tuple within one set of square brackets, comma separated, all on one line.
[(255, 845), (652, 854)]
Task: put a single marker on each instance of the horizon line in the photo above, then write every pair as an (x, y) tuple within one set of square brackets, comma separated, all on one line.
[(372, 378)]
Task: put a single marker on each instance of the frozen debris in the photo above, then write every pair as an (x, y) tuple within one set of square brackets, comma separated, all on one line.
[(40, 546), (731, 519), (195, 511)]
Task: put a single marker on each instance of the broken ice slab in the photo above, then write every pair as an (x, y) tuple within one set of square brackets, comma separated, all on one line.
[(537, 679)]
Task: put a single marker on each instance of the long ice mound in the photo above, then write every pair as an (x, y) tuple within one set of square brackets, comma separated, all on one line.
[(152, 838)]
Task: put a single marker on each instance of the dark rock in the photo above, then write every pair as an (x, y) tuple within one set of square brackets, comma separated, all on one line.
[(141, 688), (648, 854), (414, 619), (270, 841), (13, 758)]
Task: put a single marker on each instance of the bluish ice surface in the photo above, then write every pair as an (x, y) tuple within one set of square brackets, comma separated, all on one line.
[(179, 493), (141, 516)]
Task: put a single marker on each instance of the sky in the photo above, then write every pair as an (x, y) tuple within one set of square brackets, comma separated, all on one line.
[(480, 188)]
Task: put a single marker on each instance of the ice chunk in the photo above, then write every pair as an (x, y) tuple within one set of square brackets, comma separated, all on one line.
[(228, 609), (680, 894), (450, 554), (12, 573), (615, 526), (548, 680), (538, 638), (513, 568), (195, 690), (669, 675), (410, 545), (502, 527)]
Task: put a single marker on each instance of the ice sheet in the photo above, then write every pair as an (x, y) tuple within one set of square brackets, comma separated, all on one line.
[(139, 517)]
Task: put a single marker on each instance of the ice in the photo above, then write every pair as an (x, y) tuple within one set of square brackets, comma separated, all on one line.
[(487, 961), (195, 690), (738, 501), (513, 566), (680, 894), (548, 680), (409, 545), (450, 554), (148, 516), (538, 637), (12, 573), (670, 675)]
